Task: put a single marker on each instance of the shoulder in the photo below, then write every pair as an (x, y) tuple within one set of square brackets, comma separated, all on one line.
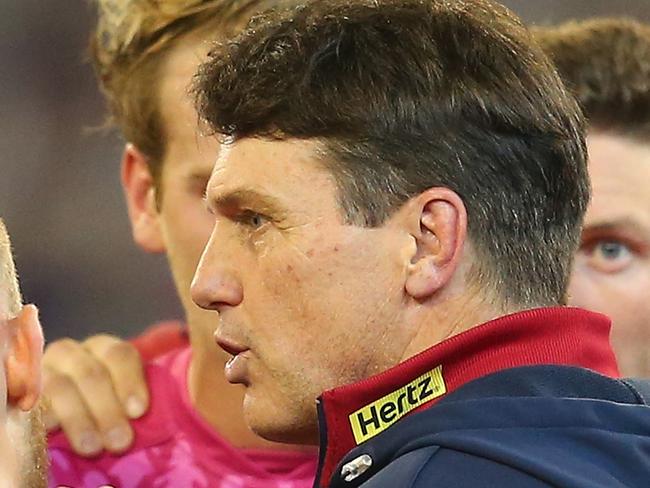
[(157, 424), (550, 430), (155, 434), (161, 338), (433, 466), (126, 471)]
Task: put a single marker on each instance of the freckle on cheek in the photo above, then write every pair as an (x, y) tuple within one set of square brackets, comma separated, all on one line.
[(310, 253)]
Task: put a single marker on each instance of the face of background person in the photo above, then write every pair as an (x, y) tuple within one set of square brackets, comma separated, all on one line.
[(308, 301), (181, 226), (22, 438), (612, 268)]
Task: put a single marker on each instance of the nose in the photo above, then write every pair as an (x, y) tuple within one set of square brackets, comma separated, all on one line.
[(215, 284)]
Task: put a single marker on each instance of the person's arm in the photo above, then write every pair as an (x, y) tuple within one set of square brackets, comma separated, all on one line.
[(93, 388)]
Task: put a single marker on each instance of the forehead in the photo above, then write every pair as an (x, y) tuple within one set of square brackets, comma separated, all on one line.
[(183, 139), (177, 72), (619, 169), (289, 170)]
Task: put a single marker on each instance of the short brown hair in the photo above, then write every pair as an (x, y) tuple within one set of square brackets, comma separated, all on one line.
[(606, 64), (8, 278), (409, 94), (129, 46)]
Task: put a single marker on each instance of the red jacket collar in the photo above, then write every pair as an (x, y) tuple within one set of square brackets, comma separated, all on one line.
[(561, 335)]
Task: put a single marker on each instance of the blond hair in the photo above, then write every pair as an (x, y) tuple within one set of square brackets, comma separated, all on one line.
[(129, 46), (8, 277)]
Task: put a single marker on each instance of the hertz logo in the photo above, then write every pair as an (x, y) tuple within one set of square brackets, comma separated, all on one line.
[(376, 417)]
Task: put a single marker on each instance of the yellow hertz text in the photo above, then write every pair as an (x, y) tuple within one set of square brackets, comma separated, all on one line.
[(377, 416)]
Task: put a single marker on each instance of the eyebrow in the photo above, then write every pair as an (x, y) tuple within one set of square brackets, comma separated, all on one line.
[(199, 179), (245, 198), (199, 174), (623, 223)]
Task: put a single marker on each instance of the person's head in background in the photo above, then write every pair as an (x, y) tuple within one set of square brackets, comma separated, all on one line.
[(22, 444), (145, 54), (606, 63)]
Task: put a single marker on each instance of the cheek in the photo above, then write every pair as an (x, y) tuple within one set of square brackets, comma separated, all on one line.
[(187, 228), (286, 293), (290, 298), (594, 290), (582, 290), (307, 281), (624, 297), (327, 303), (629, 305)]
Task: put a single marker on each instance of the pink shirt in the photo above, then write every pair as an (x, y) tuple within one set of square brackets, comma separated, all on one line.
[(176, 448)]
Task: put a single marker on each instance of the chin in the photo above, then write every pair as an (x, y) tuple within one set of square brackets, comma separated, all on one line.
[(280, 424), (26, 433), (288, 434)]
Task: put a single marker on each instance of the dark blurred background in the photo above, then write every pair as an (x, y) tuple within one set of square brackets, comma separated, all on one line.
[(59, 187)]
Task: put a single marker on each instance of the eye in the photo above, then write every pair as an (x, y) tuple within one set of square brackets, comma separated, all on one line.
[(252, 219), (200, 188), (609, 256)]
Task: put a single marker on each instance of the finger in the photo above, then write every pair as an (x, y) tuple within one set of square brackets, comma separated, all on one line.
[(94, 385), (69, 408), (124, 365)]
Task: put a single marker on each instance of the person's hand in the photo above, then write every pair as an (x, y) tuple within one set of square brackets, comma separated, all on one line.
[(91, 389)]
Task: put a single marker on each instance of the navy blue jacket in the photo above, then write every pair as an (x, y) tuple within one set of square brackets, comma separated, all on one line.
[(533, 426)]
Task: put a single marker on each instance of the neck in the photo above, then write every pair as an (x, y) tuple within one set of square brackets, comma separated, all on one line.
[(457, 315), (219, 402)]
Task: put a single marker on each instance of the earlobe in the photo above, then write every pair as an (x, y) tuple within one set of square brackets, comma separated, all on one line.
[(442, 221), (23, 360), (140, 192)]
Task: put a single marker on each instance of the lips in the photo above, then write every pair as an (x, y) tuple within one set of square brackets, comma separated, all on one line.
[(236, 369), (229, 346)]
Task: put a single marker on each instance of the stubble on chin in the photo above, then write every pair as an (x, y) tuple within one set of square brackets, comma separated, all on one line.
[(35, 462)]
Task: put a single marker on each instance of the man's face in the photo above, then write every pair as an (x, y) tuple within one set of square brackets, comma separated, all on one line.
[(612, 269), (23, 462), (306, 302), (23, 450), (188, 162)]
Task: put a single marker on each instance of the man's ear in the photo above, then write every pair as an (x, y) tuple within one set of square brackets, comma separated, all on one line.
[(438, 222), (140, 192), (23, 359)]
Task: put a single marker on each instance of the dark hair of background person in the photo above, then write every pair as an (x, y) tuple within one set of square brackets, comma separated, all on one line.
[(413, 95), (606, 64)]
